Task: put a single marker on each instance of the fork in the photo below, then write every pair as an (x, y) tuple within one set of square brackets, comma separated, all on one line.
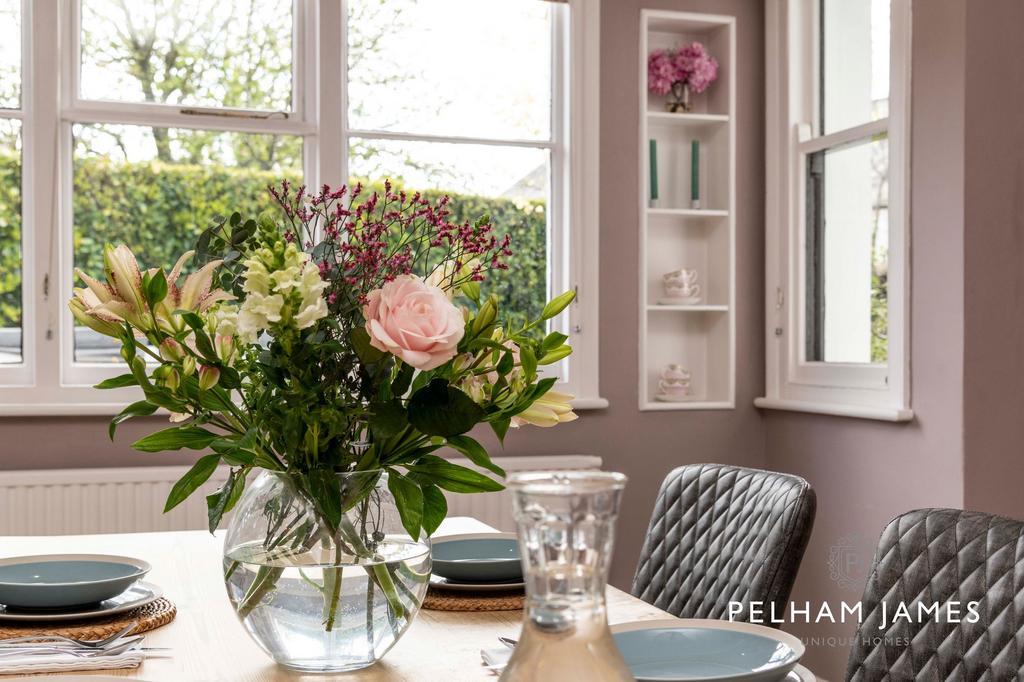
[(115, 650), (80, 643)]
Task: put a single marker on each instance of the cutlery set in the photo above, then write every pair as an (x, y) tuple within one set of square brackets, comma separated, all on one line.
[(116, 644)]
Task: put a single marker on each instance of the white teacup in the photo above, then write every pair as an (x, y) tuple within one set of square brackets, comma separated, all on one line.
[(683, 276), (676, 373), (669, 388)]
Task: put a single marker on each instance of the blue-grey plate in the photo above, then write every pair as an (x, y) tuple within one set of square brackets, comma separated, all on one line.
[(477, 557), (61, 581), (667, 651)]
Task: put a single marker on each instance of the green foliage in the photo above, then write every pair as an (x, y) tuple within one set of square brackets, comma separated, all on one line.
[(159, 210)]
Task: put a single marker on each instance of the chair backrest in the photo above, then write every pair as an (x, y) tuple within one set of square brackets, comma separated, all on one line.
[(951, 558), (724, 534)]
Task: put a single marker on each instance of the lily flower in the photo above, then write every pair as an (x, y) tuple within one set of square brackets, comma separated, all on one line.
[(84, 307), (551, 409), (195, 294)]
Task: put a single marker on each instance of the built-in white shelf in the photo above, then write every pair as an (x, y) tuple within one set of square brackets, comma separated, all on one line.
[(688, 212), (677, 119), (701, 338), (690, 308)]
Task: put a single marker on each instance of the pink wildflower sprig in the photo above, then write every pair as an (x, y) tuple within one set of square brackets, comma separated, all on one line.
[(362, 242)]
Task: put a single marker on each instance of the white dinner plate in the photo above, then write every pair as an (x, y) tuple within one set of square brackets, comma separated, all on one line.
[(139, 594), (445, 584)]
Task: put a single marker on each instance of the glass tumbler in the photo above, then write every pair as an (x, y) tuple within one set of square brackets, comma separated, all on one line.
[(566, 522)]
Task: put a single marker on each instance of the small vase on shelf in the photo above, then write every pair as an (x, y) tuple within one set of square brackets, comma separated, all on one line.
[(679, 98)]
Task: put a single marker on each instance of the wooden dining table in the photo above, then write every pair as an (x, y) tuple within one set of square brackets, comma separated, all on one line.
[(207, 643)]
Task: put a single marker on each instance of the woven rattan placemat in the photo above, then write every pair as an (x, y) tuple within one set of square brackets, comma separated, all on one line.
[(445, 600), (149, 617)]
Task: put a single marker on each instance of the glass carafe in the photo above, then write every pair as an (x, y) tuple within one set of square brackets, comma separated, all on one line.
[(566, 526)]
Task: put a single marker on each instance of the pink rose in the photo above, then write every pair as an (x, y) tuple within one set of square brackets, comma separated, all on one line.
[(413, 321)]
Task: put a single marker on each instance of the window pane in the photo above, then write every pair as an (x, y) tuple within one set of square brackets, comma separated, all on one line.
[(848, 253), (509, 184), (855, 62), (232, 53), (451, 67), (10, 241), (10, 54), (155, 189)]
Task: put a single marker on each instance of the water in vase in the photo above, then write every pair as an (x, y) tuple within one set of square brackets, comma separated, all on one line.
[(309, 620)]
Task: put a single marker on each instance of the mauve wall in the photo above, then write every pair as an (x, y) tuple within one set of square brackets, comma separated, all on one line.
[(643, 445), (867, 472), (994, 259)]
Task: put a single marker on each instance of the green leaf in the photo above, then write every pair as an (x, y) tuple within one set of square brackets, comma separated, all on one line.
[(555, 355), (557, 305), (325, 490), (221, 502), (553, 340), (142, 408), (438, 409), (528, 360), (435, 508), (176, 438), (457, 479), (475, 453), (190, 482), (118, 382), (403, 380), (500, 428), (409, 500), (506, 363), (361, 343), (156, 288), (388, 419)]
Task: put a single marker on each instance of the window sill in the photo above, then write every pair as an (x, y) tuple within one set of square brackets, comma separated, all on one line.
[(85, 409), (888, 414), (590, 404)]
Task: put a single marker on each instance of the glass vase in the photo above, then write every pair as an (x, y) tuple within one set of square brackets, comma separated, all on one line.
[(317, 596), (566, 526), (679, 98)]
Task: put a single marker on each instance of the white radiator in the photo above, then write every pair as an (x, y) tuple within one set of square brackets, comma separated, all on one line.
[(126, 500)]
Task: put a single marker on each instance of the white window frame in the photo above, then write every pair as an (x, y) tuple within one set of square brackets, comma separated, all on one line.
[(49, 382), (792, 382)]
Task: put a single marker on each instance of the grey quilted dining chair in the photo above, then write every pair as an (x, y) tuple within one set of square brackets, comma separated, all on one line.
[(951, 558), (722, 534)]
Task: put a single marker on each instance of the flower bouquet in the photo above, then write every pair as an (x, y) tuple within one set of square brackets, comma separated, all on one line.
[(327, 353), (680, 72)]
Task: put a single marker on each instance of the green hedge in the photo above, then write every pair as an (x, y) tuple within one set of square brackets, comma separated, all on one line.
[(158, 209)]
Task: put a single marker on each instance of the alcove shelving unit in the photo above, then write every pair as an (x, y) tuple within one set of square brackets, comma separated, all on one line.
[(674, 234)]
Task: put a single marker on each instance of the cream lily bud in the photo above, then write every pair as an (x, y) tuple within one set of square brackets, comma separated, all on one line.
[(550, 409), (171, 350), (172, 380), (225, 347), (188, 365), (123, 274), (208, 377)]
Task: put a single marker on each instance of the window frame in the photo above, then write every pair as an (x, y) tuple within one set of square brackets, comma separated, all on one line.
[(871, 391), (49, 382)]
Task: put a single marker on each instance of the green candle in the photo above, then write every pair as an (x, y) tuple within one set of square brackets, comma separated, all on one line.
[(654, 169), (695, 172)]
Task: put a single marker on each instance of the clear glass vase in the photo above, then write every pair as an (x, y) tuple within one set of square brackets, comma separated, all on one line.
[(316, 597), (566, 531)]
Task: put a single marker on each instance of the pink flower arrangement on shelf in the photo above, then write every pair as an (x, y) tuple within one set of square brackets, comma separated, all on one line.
[(678, 72)]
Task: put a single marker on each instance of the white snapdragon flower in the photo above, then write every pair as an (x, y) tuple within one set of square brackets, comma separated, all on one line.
[(257, 313), (313, 306)]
